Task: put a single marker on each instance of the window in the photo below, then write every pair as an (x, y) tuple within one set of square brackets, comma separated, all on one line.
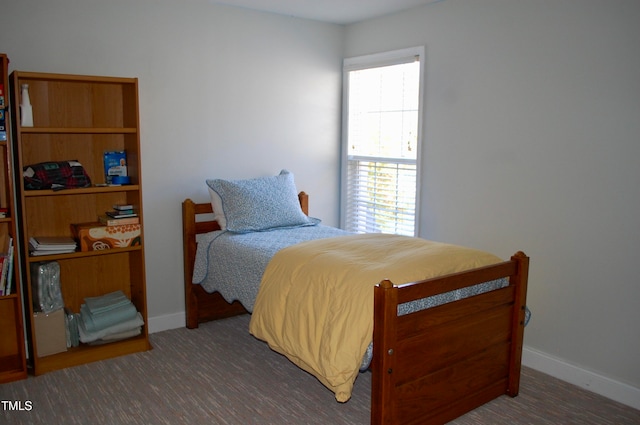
[(381, 142)]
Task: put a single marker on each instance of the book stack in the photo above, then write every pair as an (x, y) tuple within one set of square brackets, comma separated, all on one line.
[(120, 215), (51, 245), (6, 267)]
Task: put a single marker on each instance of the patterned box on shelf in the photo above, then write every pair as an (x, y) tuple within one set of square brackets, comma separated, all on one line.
[(98, 237)]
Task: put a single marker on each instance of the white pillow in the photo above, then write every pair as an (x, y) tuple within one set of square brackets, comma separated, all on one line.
[(216, 205)]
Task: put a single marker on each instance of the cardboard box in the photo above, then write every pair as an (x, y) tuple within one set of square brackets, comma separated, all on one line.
[(97, 237), (51, 335)]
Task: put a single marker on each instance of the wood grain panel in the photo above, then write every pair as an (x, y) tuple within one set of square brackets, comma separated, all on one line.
[(440, 389), (8, 313), (451, 342), (94, 276)]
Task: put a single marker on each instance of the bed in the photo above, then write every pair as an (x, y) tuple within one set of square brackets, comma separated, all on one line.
[(429, 366)]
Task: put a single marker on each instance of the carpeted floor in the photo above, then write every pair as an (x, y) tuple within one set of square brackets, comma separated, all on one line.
[(219, 374)]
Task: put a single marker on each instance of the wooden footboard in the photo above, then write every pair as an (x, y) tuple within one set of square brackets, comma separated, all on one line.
[(434, 365), (430, 366)]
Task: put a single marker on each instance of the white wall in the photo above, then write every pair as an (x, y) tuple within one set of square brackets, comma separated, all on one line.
[(224, 92), (532, 142)]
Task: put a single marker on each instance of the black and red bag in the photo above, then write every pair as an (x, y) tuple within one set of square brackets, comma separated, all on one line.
[(55, 175)]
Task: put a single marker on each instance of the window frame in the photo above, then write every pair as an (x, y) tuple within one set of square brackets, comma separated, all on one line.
[(375, 60)]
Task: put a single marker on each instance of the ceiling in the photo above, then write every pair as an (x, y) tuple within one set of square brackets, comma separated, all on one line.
[(332, 11)]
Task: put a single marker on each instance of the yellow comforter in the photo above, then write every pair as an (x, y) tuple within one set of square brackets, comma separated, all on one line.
[(315, 303)]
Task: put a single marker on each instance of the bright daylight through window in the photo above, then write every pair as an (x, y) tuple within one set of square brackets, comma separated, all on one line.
[(381, 142)]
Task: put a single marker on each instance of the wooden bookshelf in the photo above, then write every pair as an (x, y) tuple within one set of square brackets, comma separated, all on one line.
[(77, 117), (12, 347)]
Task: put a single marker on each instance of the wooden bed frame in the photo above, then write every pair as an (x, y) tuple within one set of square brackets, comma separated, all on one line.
[(428, 367)]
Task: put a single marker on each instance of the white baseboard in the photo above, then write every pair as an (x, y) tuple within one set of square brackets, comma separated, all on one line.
[(606, 387), (167, 322)]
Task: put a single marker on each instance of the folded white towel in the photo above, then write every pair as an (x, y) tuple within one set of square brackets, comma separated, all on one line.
[(86, 336), (117, 336)]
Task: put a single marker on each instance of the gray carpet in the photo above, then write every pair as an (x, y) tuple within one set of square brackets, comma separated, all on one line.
[(219, 374)]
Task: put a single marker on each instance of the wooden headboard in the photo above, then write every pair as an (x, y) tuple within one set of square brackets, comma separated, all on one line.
[(196, 220)]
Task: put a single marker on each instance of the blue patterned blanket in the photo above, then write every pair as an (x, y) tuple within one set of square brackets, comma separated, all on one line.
[(233, 263)]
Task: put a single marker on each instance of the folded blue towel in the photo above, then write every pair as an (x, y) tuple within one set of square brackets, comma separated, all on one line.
[(106, 302), (116, 330), (96, 322), (118, 337)]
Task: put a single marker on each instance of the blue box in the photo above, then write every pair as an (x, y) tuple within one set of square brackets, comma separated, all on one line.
[(115, 164)]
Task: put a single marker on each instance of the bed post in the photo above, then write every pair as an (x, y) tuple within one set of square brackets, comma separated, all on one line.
[(384, 360), (304, 202), (189, 253), (519, 279)]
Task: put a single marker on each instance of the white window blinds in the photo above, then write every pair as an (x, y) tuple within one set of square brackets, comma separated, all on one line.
[(380, 155)]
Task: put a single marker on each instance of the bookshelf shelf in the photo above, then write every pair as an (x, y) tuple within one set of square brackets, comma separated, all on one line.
[(78, 130), (82, 191), (77, 117), (86, 354), (82, 254)]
